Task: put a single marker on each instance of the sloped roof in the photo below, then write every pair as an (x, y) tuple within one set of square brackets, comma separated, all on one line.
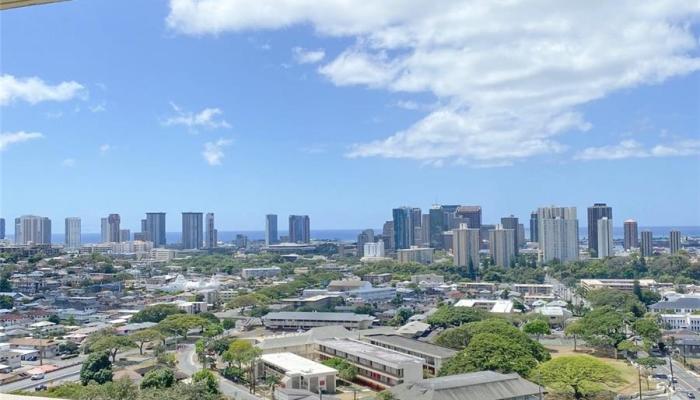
[(483, 385)]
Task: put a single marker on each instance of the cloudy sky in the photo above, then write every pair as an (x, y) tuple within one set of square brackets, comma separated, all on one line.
[(343, 110)]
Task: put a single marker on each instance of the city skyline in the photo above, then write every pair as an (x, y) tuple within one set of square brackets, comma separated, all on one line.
[(128, 112)]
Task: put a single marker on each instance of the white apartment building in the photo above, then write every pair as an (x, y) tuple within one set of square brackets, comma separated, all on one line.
[(161, 254), (681, 321), (296, 372), (377, 367), (605, 237), (422, 255), (374, 249), (558, 233)]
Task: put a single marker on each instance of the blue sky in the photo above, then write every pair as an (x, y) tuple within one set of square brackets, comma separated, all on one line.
[(224, 107)]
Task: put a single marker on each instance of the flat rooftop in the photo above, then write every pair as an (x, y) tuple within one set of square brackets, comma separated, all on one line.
[(318, 316), (414, 345), (295, 364), (371, 352)]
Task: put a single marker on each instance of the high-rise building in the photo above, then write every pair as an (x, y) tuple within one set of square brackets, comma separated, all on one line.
[(124, 235), (212, 233), (471, 215), (299, 229), (534, 227), (596, 212), (416, 223), (511, 223), (155, 228), (403, 228), (2, 228), (521, 236), (31, 229), (373, 249), (674, 241), (558, 233), (192, 230), (271, 229), (388, 235), (631, 235), (647, 245), (72, 233), (104, 230), (502, 246), (604, 231), (241, 241), (465, 248), (437, 226), (451, 220), (366, 236), (114, 231), (425, 230)]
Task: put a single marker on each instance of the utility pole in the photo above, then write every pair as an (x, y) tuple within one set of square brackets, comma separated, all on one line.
[(639, 375), (670, 363)]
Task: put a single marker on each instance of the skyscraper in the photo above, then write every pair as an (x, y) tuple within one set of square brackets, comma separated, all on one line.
[(502, 246), (534, 227), (104, 230), (114, 230), (471, 215), (596, 212), (647, 245), (511, 223), (388, 235), (425, 230), (465, 248), (437, 226), (605, 237), (299, 229), (271, 229), (631, 235), (155, 228), (403, 228), (2, 228), (212, 233), (192, 230), (558, 233), (72, 233), (366, 236), (416, 223), (31, 229), (521, 236), (124, 235), (674, 241)]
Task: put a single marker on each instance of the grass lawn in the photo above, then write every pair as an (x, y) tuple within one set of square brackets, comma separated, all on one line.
[(628, 372)]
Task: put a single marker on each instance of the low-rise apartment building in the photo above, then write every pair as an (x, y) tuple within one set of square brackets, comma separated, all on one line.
[(433, 356), (626, 285), (377, 367), (296, 372), (258, 273), (308, 320)]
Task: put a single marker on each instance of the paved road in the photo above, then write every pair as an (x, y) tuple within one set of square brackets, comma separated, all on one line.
[(62, 375), (687, 381), (188, 364)]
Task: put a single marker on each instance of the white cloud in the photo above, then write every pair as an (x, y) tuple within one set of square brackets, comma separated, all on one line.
[(100, 107), (303, 56), (104, 148), (633, 149), (8, 138), (509, 76), (34, 90), (68, 163), (213, 152), (207, 118)]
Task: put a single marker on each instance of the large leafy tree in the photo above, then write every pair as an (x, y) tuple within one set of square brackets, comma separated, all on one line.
[(447, 316), (578, 375), (156, 313), (112, 344), (158, 378), (6, 302), (346, 371), (208, 379), (489, 351), (180, 324), (603, 327), (648, 329), (96, 367), (144, 336), (536, 327)]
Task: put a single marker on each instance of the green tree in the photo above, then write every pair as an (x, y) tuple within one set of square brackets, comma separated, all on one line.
[(5, 285), (180, 324), (536, 327), (144, 336), (158, 378), (68, 347), (616, 299), (213, 330), (648, 329), (96, 367), (346, 371), (579, 375), (603, 327), (488, 351), (248, 300), (112, 344), (574, 330), (6, 302), (207, 378), (156, 313), (447, 316), (648, 364), (54, 318)]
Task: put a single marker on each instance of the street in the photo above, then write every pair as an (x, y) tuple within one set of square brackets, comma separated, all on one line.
[(188, 364), (62, 375), (687, 381)]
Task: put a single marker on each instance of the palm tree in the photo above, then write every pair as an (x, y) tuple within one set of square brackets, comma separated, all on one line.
[(273, 381)]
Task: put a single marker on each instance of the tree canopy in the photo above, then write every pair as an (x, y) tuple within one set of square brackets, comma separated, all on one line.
[(97, 368), (489, 351), (156, 313), (578, 375)]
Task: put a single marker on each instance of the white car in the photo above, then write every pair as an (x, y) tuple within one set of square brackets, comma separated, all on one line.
[(38, 376)]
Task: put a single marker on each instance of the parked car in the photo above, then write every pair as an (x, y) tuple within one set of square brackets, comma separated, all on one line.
[(690, 395), (38, 376)]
